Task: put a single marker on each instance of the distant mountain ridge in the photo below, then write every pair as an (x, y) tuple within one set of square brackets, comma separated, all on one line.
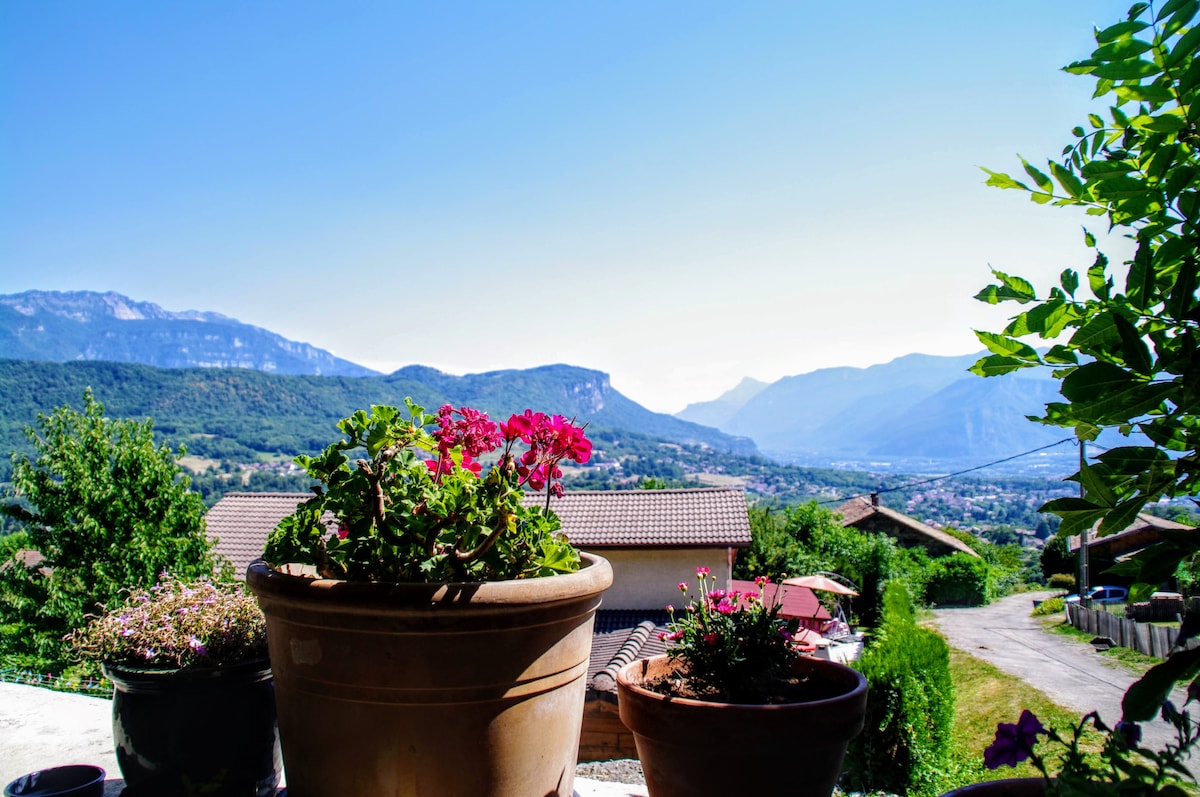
[(85, 325), (917, 411)]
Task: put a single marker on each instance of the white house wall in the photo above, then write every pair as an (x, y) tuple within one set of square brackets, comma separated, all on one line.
[(645, 578)]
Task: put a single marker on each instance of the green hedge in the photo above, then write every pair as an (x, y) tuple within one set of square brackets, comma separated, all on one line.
[(905, 744), (959, 580)]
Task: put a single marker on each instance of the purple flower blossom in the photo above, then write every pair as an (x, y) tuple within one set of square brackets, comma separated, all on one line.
[(1013, 743)]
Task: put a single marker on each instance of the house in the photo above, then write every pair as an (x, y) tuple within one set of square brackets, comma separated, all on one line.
[(1143, 532), (866, 514), (799, 603)]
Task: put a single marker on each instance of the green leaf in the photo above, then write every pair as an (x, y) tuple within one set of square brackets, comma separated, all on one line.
[(1060, 355), (1121, 516), (1067, 180), (1069, 279), (1041, 179), (1121, 29), (1118, 187), (1184, 48), (1008, 347), (1098, 282), (1134, 69), (1000, 180), (1145, 697), (1094, 487), (1183, 293), (1180, 17), (997, 365), (1139, 284), (1165, 123), (1095, 379), (1151, 92), (1169, 8), (1095, 121), (1133, 349), (1077, 513), (1121, 50)]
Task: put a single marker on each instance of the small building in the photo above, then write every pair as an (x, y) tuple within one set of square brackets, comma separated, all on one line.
[(1143, 532), (867, 514)]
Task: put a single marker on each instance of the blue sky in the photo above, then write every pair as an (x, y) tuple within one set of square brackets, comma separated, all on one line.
[(679, 194)]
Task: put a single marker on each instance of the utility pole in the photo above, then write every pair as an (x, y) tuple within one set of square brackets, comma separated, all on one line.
[(1084, 576)]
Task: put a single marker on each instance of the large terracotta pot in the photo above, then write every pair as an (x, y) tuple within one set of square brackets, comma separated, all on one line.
[(470, 690), (694, 748), (207, 731)]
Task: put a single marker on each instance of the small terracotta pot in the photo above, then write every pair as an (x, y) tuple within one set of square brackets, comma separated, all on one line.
[(693, 748), (407, 690), (1008, 787)]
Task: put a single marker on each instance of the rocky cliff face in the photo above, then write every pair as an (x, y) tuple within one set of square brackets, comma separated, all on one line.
[(84, 325)]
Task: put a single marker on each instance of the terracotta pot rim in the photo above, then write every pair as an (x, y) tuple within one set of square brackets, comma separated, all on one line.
[(594, 576), (627, 680)]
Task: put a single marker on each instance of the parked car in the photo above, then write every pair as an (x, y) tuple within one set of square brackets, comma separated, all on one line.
[(1103, 595)]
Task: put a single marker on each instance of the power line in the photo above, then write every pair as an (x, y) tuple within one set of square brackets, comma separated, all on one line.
[(948, 475)]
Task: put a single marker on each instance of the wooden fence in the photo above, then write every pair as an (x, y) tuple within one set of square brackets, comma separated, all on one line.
[(1152, 640)]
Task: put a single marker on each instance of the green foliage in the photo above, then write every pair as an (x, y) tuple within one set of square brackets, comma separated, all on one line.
[(959, 580), (806, 539), (409, 504), (1050, 606), (1129, 359), (906, 741), (1125, 337), (108, 510), (1063, 581)]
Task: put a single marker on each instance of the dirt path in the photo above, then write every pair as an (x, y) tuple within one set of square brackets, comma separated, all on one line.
[(1069, 672)]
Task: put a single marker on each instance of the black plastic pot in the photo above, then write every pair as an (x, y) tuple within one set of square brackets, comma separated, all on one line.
[(76, 780), (201, 731)]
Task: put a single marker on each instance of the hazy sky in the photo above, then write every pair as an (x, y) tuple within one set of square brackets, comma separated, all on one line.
[(680, 194)]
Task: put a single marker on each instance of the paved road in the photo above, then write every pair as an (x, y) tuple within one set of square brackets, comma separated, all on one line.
[(1069, 672)]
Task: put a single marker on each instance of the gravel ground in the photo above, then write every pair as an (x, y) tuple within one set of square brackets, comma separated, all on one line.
[(623, 770)]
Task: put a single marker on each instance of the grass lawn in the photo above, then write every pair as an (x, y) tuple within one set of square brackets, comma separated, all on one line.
[(986, 696)]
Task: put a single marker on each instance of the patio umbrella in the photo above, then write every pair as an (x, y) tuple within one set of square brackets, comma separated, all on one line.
[(822, 583)]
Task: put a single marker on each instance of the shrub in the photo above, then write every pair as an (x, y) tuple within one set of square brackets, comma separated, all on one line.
[(905, 744), (1064, 581), (959, 580), (1050, 606)]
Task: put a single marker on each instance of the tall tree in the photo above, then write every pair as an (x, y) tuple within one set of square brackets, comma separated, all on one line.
[(107, 510), (1125, 335)]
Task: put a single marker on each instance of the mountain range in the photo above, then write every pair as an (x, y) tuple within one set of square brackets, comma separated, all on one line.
[(915, 413)]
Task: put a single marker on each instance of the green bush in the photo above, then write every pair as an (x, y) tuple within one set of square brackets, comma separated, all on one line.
[(1050, 606), (905, 744), (1062, 581), (959, 580)]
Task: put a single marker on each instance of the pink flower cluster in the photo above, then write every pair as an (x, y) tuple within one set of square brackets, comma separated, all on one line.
[(551, 438)]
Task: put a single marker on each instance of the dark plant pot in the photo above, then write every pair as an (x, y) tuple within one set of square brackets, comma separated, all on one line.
[(76, 780), (454, 690), (697, 748), (200, 731), (1008, 787)]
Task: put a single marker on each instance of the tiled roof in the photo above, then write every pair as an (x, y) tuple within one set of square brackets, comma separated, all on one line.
[(1143, 531), (614, 649), (241, 523), (704, 517), (861, 512), (711, 516)]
